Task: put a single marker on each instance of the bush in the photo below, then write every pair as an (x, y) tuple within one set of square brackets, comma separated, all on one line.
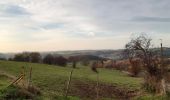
[(61, 61), (135, 67), (34, 57), (22, 57), (134, 70), (48, 59), (52, 60)]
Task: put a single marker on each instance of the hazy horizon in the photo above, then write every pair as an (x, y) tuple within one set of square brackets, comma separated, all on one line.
[(62, 25), (61, 50)]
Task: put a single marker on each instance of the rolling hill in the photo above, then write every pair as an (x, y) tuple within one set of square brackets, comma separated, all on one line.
[(52, 80)]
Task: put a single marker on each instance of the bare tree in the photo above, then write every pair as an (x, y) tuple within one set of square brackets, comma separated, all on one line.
[(140, 47)]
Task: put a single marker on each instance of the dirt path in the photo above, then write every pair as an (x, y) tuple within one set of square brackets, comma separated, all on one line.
[(88, 90)]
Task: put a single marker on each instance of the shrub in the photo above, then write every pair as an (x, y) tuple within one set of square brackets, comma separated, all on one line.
[(135, 67), (60, 61), (48, 59), (34, 57)]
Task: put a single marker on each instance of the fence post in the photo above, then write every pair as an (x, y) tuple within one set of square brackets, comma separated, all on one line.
[(30, 76), (23, 73), (68, 84), (97, 88)]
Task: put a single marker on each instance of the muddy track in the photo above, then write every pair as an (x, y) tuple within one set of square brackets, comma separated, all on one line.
[(88, 90)]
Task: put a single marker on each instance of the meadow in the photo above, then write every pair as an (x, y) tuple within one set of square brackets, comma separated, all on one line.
[(52, 80)]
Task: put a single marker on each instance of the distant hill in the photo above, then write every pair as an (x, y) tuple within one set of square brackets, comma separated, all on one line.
[(7, 55), (166, 52), (111, 54), (86, 57)]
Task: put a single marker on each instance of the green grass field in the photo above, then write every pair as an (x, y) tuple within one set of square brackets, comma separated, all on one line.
[(52, 79)]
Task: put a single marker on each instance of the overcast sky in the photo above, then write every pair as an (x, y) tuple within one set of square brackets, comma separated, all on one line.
[(52, 25)]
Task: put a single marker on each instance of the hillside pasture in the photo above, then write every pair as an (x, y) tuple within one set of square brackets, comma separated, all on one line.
[(52, 80)]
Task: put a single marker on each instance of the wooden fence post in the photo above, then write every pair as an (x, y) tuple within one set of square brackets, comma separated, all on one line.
[(30, 76), (23, 73), (68, 84), (97, 88)]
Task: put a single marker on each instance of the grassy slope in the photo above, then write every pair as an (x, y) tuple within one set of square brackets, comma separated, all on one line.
[(52, 79), (3, 82)]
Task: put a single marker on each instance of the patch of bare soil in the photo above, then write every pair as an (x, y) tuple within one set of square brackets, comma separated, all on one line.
[(88, 90)]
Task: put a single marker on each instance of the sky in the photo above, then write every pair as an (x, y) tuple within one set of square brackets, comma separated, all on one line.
[(54, 25)]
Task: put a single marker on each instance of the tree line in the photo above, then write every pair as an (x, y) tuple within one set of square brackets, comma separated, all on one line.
[(54, 59), (36, 57)]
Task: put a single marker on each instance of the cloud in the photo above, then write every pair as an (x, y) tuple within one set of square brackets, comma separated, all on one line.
[(52, 25), (151, 19), (9, 10), (28, 21), (91, 34)]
